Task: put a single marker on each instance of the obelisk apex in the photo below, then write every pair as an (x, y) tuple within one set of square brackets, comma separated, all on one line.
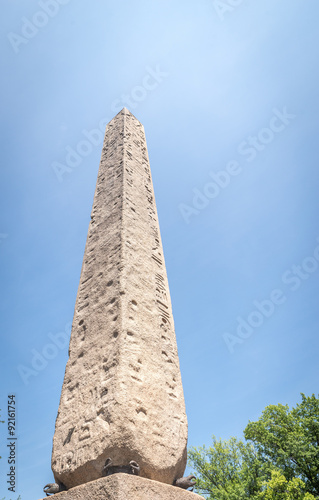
[(122, 395)]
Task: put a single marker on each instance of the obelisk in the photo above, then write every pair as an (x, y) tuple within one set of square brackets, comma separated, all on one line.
[(122, 395)]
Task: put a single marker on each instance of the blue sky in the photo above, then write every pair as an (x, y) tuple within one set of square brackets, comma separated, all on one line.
[(227, 93)]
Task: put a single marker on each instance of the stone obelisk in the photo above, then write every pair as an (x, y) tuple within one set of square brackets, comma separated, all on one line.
[(122, 396)]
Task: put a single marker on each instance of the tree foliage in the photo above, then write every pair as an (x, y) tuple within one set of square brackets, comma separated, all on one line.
[(289, 439), (227, 470), (279, 460), (278, 487)]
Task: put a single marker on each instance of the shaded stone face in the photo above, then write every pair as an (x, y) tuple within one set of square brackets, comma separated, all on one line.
[(122, 394)]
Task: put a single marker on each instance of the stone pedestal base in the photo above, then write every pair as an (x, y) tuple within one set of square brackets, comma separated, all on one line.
[(125, 487)]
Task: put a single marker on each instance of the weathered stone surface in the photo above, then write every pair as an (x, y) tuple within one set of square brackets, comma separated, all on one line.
[(122, 394), (125, 487)]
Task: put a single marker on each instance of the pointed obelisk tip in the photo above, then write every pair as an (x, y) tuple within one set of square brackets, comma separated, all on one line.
[(126, 111)]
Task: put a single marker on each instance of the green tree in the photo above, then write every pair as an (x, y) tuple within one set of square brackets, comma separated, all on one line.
[(279, 488), (231, 470), (289, 439), (228, 470), (280, 461)]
